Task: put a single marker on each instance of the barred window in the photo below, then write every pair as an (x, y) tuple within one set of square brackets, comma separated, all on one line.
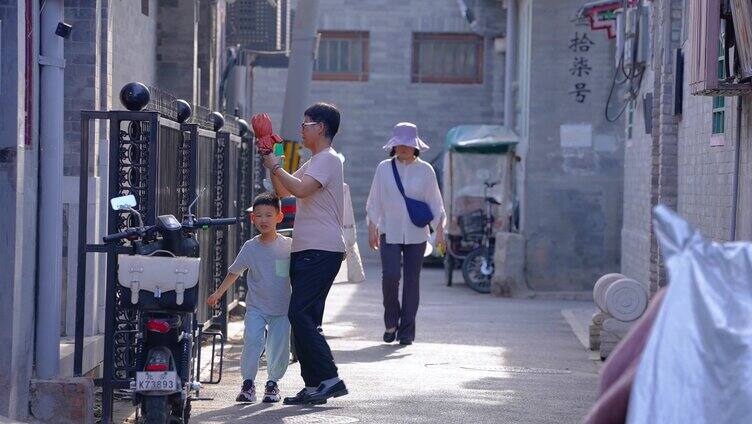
[(447, 58), (342, 56)]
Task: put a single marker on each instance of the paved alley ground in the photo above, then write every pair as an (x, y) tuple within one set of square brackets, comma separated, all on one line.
[(476, 359)]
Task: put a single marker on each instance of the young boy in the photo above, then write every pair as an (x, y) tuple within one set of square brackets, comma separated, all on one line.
[(267, 257)]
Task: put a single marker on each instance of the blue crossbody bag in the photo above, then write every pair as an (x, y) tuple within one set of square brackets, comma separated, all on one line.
[(419, 211)]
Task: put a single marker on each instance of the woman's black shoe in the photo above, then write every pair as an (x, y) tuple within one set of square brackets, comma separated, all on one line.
[(389, 337), (323, 393), (300, 399), (406, 342)]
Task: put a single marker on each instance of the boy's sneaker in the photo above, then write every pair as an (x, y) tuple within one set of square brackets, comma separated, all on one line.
[(271, 392), (247, 393)]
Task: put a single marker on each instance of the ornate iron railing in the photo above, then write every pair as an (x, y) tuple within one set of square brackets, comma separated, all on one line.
[(164, 164)]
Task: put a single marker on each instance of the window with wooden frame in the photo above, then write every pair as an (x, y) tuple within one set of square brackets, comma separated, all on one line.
[(447, 58), (342, 56)]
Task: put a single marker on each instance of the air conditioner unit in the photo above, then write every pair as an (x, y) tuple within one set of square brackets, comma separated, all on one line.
[(741, 11), (705, 21), (261, 25)]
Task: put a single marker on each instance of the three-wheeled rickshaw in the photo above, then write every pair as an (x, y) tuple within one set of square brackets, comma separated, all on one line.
[(478, 190)]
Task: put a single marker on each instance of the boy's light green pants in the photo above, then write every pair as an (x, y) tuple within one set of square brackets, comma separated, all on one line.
[(277, 343)]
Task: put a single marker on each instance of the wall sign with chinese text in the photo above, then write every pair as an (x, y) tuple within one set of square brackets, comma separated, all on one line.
[(580, 45)]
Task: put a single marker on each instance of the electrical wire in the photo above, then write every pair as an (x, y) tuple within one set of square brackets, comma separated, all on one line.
[(610, 95)]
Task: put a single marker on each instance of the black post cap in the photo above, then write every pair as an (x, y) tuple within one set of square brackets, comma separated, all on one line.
[(134, 96)]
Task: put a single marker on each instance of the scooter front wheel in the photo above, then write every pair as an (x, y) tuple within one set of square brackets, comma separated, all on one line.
[(154, 409)]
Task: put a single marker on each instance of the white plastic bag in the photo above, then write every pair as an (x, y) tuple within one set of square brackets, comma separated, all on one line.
[(355, 272), (697, 364)]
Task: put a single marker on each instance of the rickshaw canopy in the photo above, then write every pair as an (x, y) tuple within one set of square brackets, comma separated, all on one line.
[(493, 139), (476, 155)]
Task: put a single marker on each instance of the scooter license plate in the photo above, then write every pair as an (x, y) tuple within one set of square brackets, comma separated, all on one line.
[(150, 381)]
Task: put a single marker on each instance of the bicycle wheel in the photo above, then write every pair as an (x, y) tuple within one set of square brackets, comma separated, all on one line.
[(471, 271)]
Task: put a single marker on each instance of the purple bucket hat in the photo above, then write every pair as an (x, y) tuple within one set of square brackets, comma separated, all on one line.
[(406, 134)]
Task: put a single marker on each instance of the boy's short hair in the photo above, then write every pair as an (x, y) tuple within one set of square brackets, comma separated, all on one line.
[(326, 114), (269, 199)]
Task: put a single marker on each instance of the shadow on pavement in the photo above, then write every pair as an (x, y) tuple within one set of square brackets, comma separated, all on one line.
[(259, 412), (377, 353)]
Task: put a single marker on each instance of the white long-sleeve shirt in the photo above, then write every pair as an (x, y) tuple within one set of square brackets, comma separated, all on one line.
[(386, 206)]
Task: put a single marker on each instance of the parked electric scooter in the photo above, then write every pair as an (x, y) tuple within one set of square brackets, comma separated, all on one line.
[(160, 278)]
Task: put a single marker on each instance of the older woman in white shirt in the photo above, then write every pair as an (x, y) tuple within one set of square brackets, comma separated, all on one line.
[(391, 231)]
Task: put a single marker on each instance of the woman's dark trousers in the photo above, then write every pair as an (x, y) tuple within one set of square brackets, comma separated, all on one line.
[(312, 273), (394, 259)]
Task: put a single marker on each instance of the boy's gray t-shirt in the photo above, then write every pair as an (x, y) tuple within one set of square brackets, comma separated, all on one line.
[(268, 276)]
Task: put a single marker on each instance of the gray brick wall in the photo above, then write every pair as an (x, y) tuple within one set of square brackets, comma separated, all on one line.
[(101, 59), (635, 234), (13, 378), (9, 71), (705, 171), (134, 38), (651, 160), (744, 211), (82, 76), (174, 50), (677, 165), (664, 136), (573, 187), (370, 109)]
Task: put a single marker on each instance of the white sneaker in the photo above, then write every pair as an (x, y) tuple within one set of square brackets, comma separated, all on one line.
[(271, 392), (247, 393)]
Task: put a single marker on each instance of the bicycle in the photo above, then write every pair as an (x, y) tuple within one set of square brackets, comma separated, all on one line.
[(478, 265)]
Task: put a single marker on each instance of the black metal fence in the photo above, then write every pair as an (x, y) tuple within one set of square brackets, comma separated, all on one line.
[(165, 165)]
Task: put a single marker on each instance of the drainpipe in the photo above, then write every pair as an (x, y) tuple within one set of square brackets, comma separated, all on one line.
[(50, 224), (196, 70), (735, 176), (300, 71), (510, 60)]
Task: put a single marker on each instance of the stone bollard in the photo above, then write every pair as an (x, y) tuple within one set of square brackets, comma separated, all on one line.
[(611, 334), (626, 300), (509, 266), (600, 287), (62, 401), (621, 301), (599, 297)]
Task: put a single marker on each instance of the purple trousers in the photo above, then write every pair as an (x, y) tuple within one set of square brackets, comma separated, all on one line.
[(405, 259)]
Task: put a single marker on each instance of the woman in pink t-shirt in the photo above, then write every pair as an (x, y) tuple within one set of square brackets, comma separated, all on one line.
[(318, 248)]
